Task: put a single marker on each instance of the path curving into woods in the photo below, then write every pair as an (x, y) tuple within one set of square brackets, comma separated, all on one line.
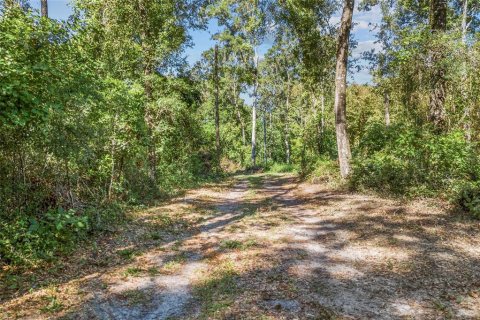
[(270, 247)]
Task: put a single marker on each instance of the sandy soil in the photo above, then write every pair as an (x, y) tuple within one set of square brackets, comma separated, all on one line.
[(268, 247)]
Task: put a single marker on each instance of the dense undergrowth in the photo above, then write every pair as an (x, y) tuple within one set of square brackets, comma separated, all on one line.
[(407, 161), (80, 140)]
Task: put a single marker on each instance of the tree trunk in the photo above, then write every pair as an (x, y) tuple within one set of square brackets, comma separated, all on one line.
[(386, 104), (287, 129), (466, 104), (254, 114), (254, 134), (237, 110), (264, 139), (113, 147), (287, 133), (322, 115), (217, 111), (464, 22), (438, 24), (148, 70), (343, 145), (44, 8)]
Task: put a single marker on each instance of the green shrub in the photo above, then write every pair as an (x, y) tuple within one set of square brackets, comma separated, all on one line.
[(26, 240), (412, 161), (467, 196), (325, 170), (281, 168)]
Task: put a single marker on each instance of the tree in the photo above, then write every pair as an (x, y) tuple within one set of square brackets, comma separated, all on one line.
[(217, 111), (44, 8), (340, 108), (438, 25)]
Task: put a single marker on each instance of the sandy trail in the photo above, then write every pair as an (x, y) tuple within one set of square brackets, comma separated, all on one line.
[(272, 247)]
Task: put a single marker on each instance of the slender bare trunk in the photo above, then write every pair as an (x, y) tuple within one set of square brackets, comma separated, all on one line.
[(343, 145), (237, 110), (242, 126), (466, 104), (438, 24), (148, 71), (386, 105), (287, 130), (264, 138), (464, 22), (113, 146), (44, 8), (217, 111), (254, 114), (254, 134), (322, 115)]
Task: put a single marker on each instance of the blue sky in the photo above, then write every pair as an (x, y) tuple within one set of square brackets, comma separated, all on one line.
[(362, 31)]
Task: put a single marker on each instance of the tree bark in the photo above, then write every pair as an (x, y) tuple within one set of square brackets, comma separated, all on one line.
[(44, 8), (217, 111), (343, 144), (438, 24)]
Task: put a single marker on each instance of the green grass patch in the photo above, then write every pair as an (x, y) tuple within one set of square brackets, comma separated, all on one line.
[(237, 245), (218, 290), (133, 272), (281, 168), (128, 254), (174, 264), (53, 305), (255, 182)]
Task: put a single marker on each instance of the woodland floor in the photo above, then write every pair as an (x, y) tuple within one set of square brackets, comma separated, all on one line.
[(268, 247)]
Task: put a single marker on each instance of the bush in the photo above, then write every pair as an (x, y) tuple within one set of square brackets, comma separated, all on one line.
[(412, 161), (325, 171), (26, 240), (467, 196)]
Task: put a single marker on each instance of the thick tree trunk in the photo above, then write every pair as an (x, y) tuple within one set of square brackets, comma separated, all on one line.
[(343, 145), (44, 8), (217, 111), (438, 23)]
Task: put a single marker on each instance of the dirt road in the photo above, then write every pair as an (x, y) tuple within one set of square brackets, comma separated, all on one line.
[(271, 247)]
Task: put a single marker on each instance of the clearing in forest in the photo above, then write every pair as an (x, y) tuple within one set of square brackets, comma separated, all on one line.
[(268, 247)]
